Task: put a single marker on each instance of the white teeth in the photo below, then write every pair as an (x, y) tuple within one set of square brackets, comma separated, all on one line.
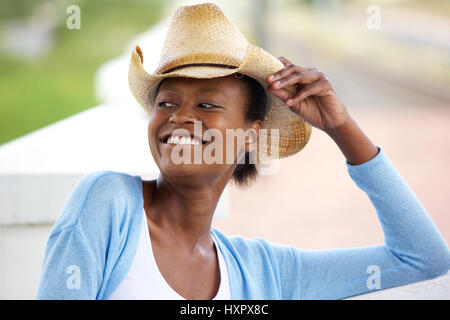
[(183, 140)]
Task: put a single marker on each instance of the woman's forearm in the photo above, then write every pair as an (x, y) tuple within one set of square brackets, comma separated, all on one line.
[(354, 144)]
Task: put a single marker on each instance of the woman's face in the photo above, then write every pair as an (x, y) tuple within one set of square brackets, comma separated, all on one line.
[(211, 105)]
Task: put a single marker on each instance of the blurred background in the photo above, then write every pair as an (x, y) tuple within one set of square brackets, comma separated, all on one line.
[(65, 110)]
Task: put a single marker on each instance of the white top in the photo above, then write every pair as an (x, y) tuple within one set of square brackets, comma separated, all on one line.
[(144, 281)]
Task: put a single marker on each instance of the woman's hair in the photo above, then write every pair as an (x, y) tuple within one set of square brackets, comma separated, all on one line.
[(255, 109)]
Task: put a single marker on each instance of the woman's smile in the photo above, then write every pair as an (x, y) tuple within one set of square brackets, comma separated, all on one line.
[(174, 139), (183, 140)]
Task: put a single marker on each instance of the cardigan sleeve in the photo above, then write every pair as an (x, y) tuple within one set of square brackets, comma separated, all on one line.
[(70, 269), (88, 238), (73, 263), (413, 250)]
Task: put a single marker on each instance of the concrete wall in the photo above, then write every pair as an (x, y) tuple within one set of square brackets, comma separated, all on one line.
[(21, 253), (434, 289)]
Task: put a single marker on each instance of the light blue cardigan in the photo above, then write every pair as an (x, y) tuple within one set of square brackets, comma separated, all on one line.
[(96, 236)]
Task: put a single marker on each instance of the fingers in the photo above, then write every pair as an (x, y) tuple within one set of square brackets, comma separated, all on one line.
[(285, 61), (318, 88), (287, 71), (298, 77), (283, 94), (311, 81)]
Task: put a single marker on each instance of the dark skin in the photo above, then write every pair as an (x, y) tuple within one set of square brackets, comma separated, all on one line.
[(180, 203)]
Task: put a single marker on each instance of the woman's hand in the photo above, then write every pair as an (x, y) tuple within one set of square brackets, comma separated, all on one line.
[(323, 110), (318, 104)]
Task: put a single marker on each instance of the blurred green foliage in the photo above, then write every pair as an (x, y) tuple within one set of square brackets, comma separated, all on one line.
[(38, 91)]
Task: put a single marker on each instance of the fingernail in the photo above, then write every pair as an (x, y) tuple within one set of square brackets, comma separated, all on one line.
[(289, 101), (271, 78), (277, 84)]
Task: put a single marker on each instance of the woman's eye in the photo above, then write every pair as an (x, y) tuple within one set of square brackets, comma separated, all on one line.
[(165, 104), (207, 105)]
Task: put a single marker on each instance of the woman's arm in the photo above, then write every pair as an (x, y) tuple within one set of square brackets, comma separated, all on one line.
[(414, 249), (354, 144)]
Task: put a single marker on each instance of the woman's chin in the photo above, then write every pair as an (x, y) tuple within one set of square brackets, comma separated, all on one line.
[(187, 165), (182, 169)]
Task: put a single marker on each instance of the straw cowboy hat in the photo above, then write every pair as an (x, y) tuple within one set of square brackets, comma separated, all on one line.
[(201, 42)]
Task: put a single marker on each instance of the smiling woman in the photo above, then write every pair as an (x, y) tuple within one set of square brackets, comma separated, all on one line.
[(135, 239)]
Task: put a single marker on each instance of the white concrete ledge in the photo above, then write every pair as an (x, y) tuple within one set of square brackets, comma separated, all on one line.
[(434, 289), (39, 199), (34, 199)]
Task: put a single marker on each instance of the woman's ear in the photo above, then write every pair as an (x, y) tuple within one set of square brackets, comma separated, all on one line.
[(251, 143)]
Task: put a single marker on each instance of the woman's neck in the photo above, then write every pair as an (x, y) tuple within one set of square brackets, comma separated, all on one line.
[(183, 210)]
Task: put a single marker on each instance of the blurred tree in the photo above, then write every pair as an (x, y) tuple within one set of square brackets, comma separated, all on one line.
[(57, 83), (17, 9)]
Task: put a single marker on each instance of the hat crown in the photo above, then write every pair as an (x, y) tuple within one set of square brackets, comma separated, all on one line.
[(201, 34)]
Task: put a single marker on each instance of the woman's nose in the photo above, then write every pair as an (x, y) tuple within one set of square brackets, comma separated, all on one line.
[(183, 114)]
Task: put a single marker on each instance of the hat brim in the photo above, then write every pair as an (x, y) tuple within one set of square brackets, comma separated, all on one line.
[(293, 131)]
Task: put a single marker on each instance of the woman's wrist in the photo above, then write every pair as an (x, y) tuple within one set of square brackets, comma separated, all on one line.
[(354, 144)]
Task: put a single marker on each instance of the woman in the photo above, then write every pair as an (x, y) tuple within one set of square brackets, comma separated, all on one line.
[(119, 237)]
